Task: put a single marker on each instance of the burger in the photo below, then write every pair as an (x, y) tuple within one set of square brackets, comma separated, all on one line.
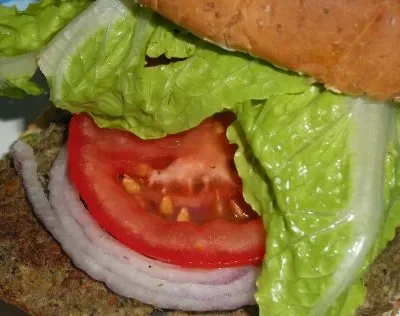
[(204, 156)]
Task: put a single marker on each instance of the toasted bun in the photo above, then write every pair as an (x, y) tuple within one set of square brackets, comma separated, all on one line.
[(350, 46)]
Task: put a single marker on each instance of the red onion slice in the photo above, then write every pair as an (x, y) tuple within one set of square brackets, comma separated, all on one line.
[(77, 231), (124, 254), (123, 270)]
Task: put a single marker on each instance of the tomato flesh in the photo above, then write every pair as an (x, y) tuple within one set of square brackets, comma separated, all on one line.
[(177, 199)]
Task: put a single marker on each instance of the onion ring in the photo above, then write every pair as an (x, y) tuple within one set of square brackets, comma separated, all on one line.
[(123, 270)]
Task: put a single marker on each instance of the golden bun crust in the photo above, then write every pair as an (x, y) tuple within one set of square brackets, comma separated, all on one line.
[(350, 46)]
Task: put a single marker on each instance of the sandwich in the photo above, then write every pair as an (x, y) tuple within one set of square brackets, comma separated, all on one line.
[(214, 155)]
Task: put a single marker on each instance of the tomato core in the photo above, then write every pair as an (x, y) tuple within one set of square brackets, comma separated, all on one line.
[(189, 188)]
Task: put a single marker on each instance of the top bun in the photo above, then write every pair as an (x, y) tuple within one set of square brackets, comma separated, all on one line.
[(351, 46)]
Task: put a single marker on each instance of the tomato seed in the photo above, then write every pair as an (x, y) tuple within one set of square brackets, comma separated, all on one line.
[(199, 245), (219, 128), (166, 206), (143, 170), (183, 215), (220, 208), (130, 185)]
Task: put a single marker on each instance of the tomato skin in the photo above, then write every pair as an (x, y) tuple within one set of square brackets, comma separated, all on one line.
[(96, 158)]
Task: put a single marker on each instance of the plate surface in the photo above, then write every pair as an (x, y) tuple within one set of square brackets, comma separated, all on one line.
[(16, 115), (9, 310)]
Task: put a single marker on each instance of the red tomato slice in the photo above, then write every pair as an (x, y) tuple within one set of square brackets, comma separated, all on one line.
[(177, 199)]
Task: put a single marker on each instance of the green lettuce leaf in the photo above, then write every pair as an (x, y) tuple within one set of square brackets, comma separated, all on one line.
[(334, 180), (29, 30), (120, 92), (171, 41), (256, 188), (15, 75), (22, 34)]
